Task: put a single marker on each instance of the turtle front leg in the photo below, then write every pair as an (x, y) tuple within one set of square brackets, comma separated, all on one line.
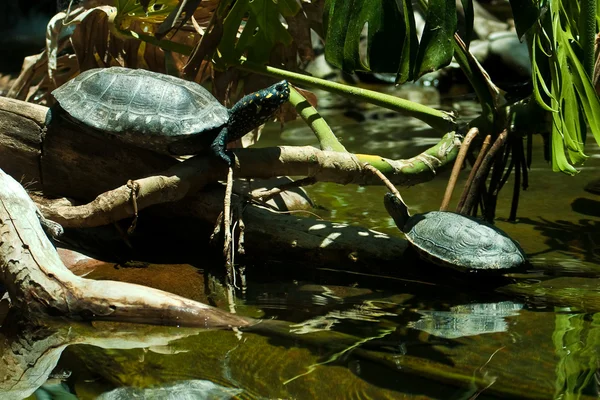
[(219, 147)]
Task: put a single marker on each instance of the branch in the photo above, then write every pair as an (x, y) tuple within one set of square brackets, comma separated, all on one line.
[(193, 174)]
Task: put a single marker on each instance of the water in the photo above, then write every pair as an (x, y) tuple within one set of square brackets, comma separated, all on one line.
[(354, 336)]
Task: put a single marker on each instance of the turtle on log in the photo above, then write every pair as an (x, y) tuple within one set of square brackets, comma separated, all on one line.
[(164, 113), (457, 241)]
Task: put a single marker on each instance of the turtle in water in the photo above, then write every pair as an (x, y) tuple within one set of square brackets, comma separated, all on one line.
[(454, 240), (164, 113)]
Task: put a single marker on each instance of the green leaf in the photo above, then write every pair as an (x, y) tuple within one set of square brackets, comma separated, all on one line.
[(345, 21), (410, 45), (436, 48), (266, 13), (131, 10), (559, 159), (525, 13), (227, 47), (469, 18), (571, 123), (262, 30), (588, 98)]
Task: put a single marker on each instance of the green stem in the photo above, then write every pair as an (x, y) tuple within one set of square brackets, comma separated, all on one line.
[(439, 120), (313, 119), (422, 167), (587, 30)]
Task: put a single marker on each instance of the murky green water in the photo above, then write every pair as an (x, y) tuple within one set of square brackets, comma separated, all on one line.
[(353, 338)]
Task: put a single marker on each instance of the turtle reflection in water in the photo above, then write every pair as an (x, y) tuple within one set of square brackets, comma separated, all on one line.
[(454, 240), (164, 113)]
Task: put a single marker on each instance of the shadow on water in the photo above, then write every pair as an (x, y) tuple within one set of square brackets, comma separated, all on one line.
[(579, 238), (586, 207)]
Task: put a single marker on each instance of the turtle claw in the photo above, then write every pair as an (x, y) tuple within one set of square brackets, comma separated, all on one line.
[(219, 147), (227, 156)]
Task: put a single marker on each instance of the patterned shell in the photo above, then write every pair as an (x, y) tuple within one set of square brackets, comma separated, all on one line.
[(138, 102), (462, 242)]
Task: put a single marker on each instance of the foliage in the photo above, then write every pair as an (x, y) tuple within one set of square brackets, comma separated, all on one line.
[(130, 11), (261, 29), (561, 84), (345, 22), (435, 49), (250, 28), (361, 36), (560, 54), (390, 36)]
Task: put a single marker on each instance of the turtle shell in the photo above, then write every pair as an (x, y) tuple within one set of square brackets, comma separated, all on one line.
[(462, 242), (144, 108)]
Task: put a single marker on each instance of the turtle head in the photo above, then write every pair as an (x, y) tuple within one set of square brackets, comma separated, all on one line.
[(255, 109), (397, 209)]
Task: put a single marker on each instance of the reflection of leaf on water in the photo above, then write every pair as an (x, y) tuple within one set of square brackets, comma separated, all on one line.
[(582, 237), (577, 344)]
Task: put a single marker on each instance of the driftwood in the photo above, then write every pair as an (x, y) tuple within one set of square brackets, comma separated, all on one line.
[(38, 283)]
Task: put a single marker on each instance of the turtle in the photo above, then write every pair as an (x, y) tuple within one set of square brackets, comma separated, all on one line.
[(164, 113), (454, 240)]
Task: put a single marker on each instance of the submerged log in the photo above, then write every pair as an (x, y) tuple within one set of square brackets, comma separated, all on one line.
[(39, 284)]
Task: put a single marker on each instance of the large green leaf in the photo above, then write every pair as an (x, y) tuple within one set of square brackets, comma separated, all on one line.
[(525, 13), (469, 19), (436, 48), (383, 24), (266, 13), (410, 45), (227, 51)]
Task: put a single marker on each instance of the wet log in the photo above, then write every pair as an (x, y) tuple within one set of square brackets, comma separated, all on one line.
[(64, 159), (39, 284), (21, 131)]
